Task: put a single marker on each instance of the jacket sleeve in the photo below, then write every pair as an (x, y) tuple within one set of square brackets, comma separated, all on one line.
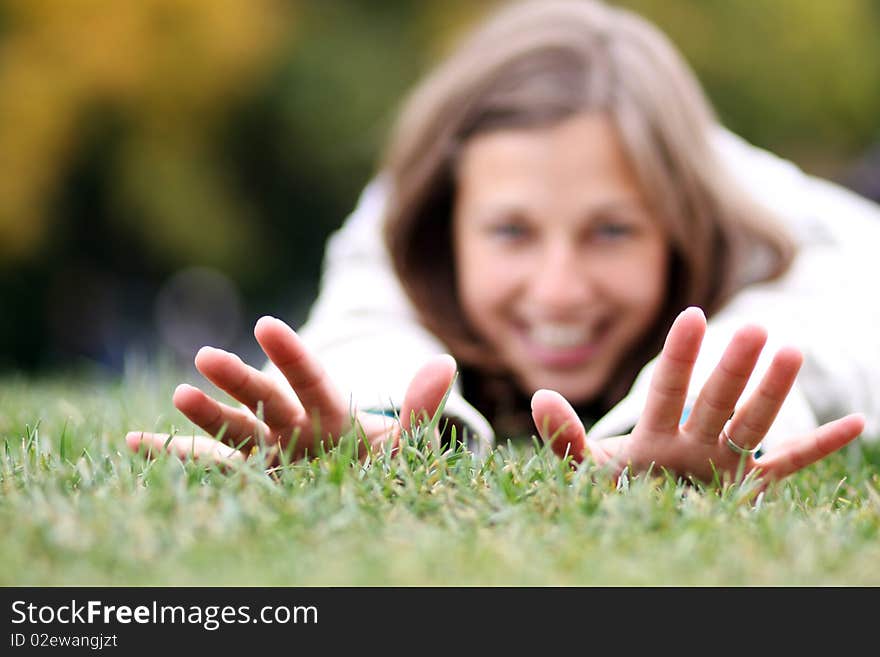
[(827, 305), (363, 329)]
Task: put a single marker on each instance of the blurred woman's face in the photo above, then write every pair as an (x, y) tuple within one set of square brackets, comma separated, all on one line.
[(561, 268)]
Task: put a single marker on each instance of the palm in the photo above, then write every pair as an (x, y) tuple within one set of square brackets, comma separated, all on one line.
[(698, 447), (297, 418)]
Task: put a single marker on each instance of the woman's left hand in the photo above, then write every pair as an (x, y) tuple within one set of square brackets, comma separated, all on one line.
[(699, 447)]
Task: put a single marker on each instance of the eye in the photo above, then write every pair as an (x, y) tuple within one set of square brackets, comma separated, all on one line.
[(508, 230), (613, 230)]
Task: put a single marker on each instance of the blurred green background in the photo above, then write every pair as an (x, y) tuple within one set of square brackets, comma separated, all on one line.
[(172, 168)]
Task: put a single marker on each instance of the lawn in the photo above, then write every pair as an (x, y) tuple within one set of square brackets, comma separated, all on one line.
[(77, 509)]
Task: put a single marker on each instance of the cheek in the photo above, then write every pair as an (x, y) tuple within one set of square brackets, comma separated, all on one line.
[(640, 282), (485, 279), (655, 277), (467, 280)]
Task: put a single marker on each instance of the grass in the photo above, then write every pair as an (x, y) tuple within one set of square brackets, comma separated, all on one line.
[(77, 509)]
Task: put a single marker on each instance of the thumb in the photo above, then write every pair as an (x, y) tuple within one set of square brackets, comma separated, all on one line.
[(427, 390), (558, 424)]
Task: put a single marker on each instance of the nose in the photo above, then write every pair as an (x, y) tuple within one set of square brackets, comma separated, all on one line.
[(561, 283)]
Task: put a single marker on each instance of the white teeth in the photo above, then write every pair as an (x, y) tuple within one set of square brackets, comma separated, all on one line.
[(560, 336)]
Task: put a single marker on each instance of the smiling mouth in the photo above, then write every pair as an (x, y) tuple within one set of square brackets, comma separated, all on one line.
[(562, 346)]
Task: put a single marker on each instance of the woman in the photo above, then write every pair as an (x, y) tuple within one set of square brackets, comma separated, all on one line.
[(556, 197)]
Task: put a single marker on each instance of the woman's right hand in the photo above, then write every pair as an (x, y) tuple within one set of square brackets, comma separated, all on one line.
[(309, 411)]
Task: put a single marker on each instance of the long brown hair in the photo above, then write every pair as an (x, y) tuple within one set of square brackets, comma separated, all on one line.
[(535, 63)]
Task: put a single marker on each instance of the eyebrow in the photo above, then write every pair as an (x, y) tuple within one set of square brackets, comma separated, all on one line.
[(507, 209), (618, 205)]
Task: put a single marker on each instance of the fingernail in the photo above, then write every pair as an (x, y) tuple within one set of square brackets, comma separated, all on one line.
[(540, 391), (134, 438), (182, 387)]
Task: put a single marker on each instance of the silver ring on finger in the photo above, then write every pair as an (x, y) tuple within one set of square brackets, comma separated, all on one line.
[(736, 448)]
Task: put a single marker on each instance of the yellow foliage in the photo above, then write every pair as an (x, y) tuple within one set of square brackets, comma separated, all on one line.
[(170, 66)]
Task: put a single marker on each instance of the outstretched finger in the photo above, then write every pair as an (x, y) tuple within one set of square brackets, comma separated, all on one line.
[(797, 454), (672, 375), (319, 397), (424, 395), (427, 390), (235, 427), (257, 390), (195, 447), (722, 390), (753, 420), (558, 424)]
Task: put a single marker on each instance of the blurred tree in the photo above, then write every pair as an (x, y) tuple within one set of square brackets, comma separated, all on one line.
[(169, 70)]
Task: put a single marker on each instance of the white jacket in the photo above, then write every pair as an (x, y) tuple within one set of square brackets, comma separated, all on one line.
[(364, 330)]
